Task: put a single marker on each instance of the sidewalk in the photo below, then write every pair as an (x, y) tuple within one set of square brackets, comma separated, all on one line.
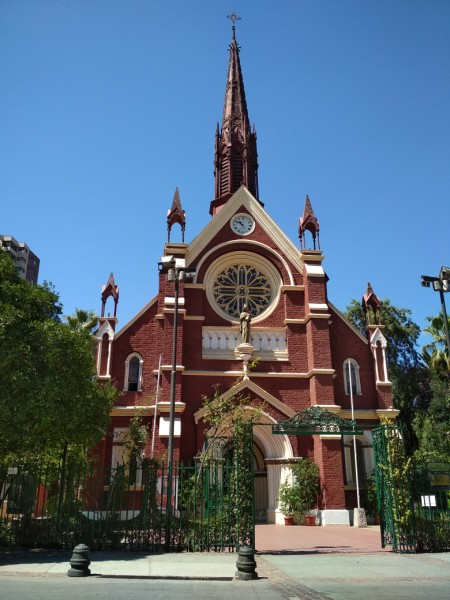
[(277, 547), (303, 562), (215, 566), (339, 563)]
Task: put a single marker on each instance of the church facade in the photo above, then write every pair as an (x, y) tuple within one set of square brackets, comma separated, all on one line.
[(242, 290)]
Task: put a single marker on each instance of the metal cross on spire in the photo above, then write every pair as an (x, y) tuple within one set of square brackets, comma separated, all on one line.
[(234, 17)]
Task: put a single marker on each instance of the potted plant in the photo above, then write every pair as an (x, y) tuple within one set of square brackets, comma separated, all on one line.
[(289, 501), (301, 495), (312, 517)]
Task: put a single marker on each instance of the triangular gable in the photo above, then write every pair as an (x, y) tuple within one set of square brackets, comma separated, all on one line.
[(247, 384), (244, 198), (105, 328), (376, 337)]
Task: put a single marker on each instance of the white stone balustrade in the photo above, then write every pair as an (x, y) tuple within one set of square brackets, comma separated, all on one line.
[(222, 343)]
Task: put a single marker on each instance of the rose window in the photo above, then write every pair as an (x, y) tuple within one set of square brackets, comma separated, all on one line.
[(242, 284)]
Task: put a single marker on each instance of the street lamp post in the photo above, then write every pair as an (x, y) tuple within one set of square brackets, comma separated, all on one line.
[(350, 383), (176, 271), (440, 284)]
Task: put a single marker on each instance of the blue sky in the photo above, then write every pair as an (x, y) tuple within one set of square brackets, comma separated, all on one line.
[(106, 106)]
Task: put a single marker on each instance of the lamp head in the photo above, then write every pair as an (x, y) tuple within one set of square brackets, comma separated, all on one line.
[(166, 263), (444, 273)]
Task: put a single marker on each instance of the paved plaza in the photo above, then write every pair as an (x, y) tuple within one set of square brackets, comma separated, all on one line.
[(310, 563)]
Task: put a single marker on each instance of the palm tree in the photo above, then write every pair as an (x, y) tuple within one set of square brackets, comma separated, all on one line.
[(83, 320), (436, 353)]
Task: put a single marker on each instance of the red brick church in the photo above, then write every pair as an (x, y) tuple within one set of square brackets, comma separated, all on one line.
[(307, 352)]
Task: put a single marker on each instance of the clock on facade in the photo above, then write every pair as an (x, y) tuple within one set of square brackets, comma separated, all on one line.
[(242, 224)]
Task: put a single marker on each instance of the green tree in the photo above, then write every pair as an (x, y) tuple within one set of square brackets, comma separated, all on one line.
[(435, 353), (401, 333), (409, 374), (433, 427), (84, 320), (49, 396)]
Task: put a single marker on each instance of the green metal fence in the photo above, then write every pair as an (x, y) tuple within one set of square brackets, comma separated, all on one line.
[(51, 506), (430, 484), (413, 499)]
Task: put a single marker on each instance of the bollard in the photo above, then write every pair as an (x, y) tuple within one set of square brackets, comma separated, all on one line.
[(359, 518), (79, 563), (246, 564)]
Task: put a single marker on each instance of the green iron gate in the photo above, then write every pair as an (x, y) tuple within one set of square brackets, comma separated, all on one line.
[(395, 502)]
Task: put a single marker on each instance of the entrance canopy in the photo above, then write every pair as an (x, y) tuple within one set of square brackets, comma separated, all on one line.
[(317, 420)]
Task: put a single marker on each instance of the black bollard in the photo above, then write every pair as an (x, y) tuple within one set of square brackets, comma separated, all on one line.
[(246, 564), (79, 563)]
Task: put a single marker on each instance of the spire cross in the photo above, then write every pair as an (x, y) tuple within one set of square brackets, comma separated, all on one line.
[(234, 17)]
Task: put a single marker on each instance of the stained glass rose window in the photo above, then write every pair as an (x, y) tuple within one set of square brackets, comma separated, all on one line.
[(240, 284)]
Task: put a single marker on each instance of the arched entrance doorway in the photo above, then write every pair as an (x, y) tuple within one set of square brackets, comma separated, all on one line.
[(273, 455)]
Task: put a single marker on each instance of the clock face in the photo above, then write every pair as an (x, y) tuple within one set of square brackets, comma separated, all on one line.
[(242, 224)]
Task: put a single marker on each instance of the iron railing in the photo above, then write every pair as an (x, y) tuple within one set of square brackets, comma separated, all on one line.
[(59, 506), (414, 511)]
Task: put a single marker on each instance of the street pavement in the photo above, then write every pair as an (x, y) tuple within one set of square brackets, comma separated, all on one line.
[(304, 563)]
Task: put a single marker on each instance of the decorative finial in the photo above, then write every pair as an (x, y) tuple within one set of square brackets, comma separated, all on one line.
[(234, 17)]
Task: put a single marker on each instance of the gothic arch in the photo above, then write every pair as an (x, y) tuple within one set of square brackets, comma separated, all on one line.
[(133, 373), (272, 446)]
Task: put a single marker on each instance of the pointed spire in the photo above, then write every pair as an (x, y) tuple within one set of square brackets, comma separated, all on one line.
[(308, 222), (371, 306), (110, 289), (236, 157), (176, 215)]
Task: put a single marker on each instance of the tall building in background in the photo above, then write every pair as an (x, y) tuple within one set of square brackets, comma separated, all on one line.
[(25, 260), (308, 355)]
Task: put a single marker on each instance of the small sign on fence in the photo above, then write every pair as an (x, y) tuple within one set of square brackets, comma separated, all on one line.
[(428, 501), (438, 467), (442, 481)]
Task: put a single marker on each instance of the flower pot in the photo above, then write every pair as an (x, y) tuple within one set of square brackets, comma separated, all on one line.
[(288, 520), (310, 520)]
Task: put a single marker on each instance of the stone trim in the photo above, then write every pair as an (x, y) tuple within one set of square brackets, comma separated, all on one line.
[(254, 375)]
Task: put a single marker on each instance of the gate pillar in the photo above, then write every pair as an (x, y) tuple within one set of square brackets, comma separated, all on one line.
[(328, 457)]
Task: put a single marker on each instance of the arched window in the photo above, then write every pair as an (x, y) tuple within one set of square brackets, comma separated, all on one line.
[(351, 377), (104, 355), (133, 373)]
